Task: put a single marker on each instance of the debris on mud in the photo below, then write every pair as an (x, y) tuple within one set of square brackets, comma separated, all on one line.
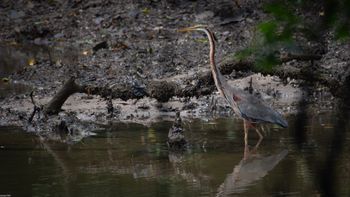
[(176, 138), (129, 53)]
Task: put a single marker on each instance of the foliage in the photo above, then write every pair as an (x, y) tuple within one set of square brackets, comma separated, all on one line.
[(290, 19)]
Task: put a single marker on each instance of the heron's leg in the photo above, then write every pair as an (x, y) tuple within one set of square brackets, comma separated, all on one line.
[(259, 141), (258, 144), (246, 151), (263, 129), (245, 123), (260, 135), (246, 148)]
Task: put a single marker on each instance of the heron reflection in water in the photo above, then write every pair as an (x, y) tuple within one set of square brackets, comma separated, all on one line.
[(250, 169), (248, 107)]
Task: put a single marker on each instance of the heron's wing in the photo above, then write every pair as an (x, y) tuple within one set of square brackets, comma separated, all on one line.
[(255, 109)]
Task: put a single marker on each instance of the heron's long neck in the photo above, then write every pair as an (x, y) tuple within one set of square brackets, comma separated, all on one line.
[(216, 73)]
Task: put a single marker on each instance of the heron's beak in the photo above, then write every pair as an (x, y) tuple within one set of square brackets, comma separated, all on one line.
[(187, 29), (193, 28)]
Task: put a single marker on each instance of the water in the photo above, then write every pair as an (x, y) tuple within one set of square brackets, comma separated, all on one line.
[(133, 160)]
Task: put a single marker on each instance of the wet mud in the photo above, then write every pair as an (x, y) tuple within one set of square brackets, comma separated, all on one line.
[(132, 49)]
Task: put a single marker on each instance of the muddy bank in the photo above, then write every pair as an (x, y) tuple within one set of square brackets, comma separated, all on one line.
[(132, 48), (284, 98)]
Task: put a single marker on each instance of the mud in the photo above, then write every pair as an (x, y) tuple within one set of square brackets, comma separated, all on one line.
[(114, 43)]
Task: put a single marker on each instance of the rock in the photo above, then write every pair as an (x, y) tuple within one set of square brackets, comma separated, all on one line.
[(134, 14), (231, 20), (101, 45), (16, 14), (98, 20), (161, 90), (204, 16), (32, 32), (59, 35)]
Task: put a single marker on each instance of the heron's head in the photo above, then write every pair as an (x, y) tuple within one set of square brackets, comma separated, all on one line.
[(193, 28), (202, 28)]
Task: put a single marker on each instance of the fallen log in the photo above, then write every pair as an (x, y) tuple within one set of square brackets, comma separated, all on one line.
[(69, 88), (199, 85), (124, 92)]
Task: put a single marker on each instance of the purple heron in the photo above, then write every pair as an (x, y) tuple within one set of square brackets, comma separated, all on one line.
[(251, 109)]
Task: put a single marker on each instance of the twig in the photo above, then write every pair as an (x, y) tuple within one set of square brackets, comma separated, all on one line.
[(36, 108)]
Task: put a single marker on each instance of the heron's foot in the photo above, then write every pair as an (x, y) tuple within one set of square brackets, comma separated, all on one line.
[(254, 150), (261, 137), (246, 153)]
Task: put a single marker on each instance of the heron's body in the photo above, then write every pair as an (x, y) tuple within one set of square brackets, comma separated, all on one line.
[(250, 108), (245, 105)]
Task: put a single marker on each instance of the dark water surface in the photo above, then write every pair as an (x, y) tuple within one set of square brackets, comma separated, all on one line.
[(133, 160)]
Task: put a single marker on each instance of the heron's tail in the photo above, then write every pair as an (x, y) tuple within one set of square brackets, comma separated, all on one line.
[(282, 122)]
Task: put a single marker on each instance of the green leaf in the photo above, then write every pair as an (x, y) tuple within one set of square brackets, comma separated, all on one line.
[(243, 54), (268, 29), (266, 63), (342, 32), (281, 12), (286, 35)]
